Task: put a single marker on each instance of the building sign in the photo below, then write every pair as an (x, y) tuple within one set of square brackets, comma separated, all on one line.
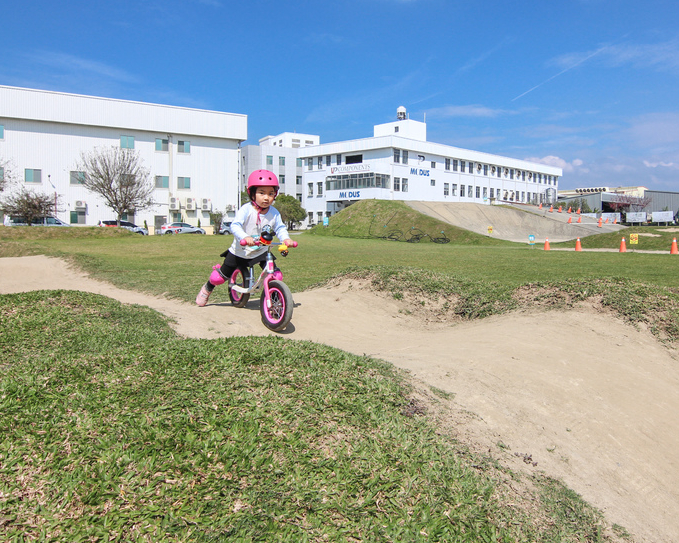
[(639, 216), (349, 194), (350, 168), (419, 171), (662, 216)]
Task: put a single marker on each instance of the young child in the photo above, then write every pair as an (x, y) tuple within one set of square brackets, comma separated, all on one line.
[(250, 220)]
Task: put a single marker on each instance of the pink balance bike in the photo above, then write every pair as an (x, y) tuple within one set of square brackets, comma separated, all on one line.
[(276, 302)]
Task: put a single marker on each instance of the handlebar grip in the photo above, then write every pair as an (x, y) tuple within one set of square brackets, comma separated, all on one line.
[(294, 244), (244, 243)]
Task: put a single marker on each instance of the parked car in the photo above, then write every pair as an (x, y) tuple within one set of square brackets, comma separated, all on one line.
[(126, 224), (225, 228), (40, 221), (180, 228)]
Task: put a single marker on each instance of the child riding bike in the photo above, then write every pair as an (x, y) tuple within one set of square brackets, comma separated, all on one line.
[(251, 219)]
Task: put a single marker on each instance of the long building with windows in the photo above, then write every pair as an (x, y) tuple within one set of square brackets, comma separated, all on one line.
[(192, 155), (398, 163)]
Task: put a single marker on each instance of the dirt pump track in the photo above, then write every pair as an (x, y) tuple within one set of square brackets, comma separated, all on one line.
[(605, 425)]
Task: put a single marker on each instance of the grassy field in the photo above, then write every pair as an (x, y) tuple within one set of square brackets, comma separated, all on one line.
[(115, 429)]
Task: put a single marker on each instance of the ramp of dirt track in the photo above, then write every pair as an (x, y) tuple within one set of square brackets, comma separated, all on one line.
[(513, 222)]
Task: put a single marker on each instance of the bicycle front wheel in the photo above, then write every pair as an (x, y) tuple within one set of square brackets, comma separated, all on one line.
[(277, 308), (237, 299)]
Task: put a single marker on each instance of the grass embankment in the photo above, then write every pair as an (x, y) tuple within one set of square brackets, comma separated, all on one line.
[(115, 429)]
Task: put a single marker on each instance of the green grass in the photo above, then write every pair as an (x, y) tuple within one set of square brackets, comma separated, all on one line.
[(114, 429)]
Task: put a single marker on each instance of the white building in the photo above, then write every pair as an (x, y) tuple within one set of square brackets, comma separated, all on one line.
[(192, 154), (398, 163), (279, 154)]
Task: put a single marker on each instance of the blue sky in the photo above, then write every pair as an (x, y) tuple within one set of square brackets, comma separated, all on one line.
[(587, 85)]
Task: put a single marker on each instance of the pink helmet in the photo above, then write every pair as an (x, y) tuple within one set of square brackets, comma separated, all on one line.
[(261, 178)]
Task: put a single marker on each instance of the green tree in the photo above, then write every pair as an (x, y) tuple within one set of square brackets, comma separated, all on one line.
[(119, 177), (290, 209)]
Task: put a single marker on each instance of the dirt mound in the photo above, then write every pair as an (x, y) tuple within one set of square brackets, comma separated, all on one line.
[(605, 424)]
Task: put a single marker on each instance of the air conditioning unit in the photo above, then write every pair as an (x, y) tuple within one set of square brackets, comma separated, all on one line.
[(190, 204), (80, 204), (174, 204), (205, 204)]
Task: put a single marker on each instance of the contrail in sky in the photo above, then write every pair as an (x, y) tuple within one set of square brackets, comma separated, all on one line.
[(563, 71)]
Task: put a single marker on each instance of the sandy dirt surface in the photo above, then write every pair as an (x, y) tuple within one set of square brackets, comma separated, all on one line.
[(587, 398)]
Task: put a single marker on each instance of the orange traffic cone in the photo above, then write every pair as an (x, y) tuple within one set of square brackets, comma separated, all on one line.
[(673, 250), (551, 209), (540, 206), (570, 210), (546, 244), (578, 211), (623, 246), (579, 219), (578, 245), (570, 220), (601, 221), (615, 220), (559, 210), (606, 221)]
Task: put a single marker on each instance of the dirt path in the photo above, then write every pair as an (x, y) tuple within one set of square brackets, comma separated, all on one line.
[(600, 411)]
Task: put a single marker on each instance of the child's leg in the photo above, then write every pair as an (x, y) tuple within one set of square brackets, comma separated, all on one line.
[(218, 276)]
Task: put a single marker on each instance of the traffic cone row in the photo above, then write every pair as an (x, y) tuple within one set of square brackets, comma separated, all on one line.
[(674, 250)]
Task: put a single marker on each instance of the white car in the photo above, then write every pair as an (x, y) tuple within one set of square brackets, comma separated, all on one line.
[(40, 221), (180, 228), (128, 225)]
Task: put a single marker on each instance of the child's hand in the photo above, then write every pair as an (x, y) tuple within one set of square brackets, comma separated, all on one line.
[(288, 242), (249, 240)]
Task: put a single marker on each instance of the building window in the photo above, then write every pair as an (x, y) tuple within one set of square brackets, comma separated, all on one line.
[(33, 176), (478, 192), (339, 160), (127, 142), (2, 131), (511, 173), (397, 183), (300, 164), (269, 160), (327, 161), (281, 161), (404, 184), (462, 190), (454, 166), (485, 169), (310, 190), (161, 144), (463, 165), (471, 167), (454, 190), (308, 142), (397, 156), (298, 180), (183, 182), (319, 188), (485, 192), (77, 178), (405, 157), (433, 164), (77, 217), (183, 146), (396, 129), (309, 163), (492, 192), (446, 189), (470, 191), (354, 159), (162, 181), (433, 182), (319, 161), (281, 179), (447, 164)]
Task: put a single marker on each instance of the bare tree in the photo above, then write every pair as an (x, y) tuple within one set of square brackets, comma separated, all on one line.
[(627, 202), (27, 205), (6, 174), (118, 176)]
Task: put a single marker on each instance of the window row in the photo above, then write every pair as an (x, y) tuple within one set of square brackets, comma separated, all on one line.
[(497, 171), (356, 159), (470, 191), (357, 181)]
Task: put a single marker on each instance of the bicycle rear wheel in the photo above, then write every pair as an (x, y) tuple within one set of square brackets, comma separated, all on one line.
[(276, 310), (237, 299)]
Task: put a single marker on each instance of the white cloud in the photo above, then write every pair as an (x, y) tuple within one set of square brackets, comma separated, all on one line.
[(468, 111), (557, 162), (660, 164), (71, 63)]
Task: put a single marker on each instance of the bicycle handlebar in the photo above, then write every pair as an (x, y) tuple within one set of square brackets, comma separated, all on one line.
[(258, 242)]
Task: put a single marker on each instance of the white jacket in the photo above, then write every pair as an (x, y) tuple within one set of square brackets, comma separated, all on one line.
[(245, 224)]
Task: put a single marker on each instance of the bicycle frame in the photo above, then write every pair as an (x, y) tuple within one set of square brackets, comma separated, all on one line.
[(264, 277)]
